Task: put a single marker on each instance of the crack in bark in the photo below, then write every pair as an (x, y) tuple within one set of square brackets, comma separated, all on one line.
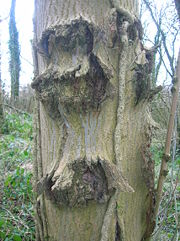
[(118, 232), (148, 174), (42, 201), (112, 205)]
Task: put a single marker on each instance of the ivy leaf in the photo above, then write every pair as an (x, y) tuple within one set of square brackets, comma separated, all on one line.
[(1, 222), (26, 153), (16, 237)]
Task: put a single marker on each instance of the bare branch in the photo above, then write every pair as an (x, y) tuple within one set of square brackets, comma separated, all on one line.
[(163, 35)]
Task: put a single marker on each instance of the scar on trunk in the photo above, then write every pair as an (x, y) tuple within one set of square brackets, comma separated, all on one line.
[(79, 182), (75, 88)]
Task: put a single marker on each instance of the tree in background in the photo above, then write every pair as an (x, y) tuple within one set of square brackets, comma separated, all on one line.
[(164, 22), (14, 50), (1, 93), (177, 2)]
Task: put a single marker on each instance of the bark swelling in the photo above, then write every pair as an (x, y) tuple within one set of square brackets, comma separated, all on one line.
[(92, 167)]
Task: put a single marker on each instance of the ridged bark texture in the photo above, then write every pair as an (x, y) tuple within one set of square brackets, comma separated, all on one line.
[(93, 173)]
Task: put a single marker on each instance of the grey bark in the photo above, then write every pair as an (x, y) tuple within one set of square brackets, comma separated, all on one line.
[(93, 172)]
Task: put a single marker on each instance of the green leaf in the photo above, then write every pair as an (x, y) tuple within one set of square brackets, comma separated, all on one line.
[(2, 235), (178, 161), (16, 237), (11, 153), (7, 181), (13, 183), (1, 222), (26, 153)]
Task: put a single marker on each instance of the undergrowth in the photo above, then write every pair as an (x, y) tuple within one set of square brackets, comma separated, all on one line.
[(16, 210), (168, 219)]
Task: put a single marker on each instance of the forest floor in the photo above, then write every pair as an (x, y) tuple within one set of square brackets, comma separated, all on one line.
[(168, 221), (16, 195)]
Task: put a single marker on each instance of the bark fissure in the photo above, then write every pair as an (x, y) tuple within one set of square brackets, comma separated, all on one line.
[(40, 229), (38, 221), (42, 211), (38, 165), (122, 37), (118, 232), (35, 172), (148, 174)]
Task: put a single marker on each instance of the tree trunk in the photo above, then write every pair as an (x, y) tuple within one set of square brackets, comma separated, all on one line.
[(177, 4), (1, 93), (14, 51), (93, 171)]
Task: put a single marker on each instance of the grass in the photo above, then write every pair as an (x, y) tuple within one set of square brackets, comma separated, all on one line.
[(16, 196)]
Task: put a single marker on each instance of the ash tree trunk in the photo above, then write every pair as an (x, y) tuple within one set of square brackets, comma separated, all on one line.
[(93, 171)]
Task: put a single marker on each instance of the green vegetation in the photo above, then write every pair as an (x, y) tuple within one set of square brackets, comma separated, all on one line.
[(168, 219), (16, 196)]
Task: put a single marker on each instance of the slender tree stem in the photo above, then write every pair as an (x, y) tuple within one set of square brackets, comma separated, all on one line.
[(164, 167)]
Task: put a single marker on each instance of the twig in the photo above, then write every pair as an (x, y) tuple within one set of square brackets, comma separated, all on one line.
[(176, 232), (16, 220), (172, 177), (4, 153), (17, 110), (164, 211), (26, 60), (3, 19), (170, 59), (164, 167)]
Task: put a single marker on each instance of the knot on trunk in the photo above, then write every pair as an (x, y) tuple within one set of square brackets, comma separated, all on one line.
[(78, 88), (144, 64), (81, 181)]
